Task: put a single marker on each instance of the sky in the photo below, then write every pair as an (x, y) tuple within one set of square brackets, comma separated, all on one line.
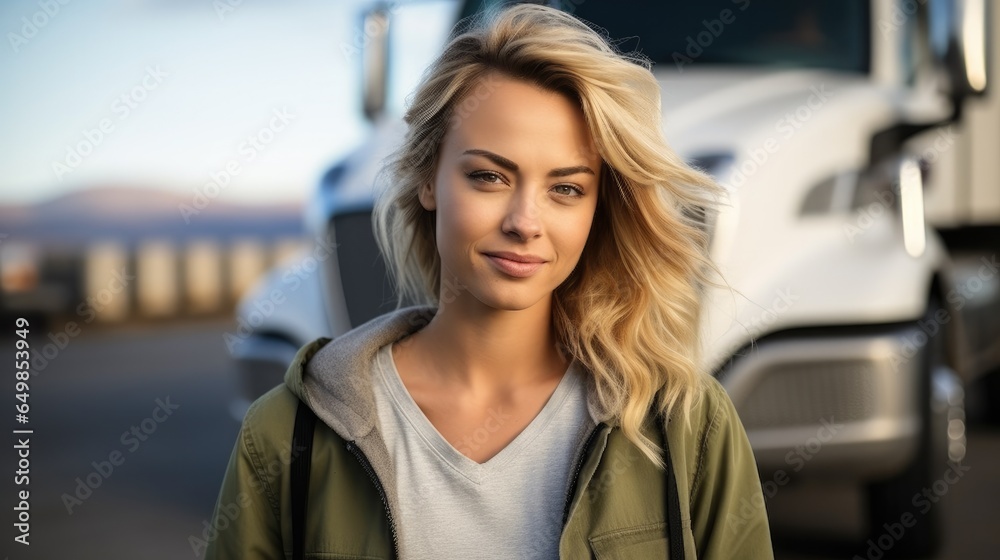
[(173, 94)]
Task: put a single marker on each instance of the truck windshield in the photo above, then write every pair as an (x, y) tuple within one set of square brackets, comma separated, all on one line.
[(830, 34)]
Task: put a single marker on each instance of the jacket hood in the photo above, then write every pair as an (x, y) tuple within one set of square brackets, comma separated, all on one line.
[(333, 377)]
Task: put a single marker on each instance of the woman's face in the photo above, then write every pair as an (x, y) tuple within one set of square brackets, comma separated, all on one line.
[(518, 172)]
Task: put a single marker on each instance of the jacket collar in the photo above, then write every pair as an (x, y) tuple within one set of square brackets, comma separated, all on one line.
[(333, 376)]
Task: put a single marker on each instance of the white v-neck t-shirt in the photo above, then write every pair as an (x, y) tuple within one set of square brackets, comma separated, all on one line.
[(450, 506)]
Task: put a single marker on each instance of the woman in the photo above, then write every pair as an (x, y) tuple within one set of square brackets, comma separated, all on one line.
[(519, 409)]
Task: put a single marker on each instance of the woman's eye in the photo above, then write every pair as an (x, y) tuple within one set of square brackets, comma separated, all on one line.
[(570, 190), (486, 177)]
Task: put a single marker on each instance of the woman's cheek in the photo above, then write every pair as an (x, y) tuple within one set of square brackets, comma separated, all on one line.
[(462, 222), (474, 214)]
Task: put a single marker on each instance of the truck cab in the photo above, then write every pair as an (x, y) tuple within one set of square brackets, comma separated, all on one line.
[(858, 237)]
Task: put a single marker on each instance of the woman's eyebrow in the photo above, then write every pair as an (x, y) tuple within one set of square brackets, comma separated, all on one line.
[(510, 165)]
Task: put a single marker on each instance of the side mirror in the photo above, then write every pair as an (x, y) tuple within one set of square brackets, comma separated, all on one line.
[(375, 61), (960, 42)]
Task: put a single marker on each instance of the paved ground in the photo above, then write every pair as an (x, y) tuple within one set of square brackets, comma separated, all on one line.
[(96, 389), (162, 491)]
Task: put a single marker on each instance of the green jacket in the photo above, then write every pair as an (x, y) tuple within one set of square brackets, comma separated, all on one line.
[(616, 509)]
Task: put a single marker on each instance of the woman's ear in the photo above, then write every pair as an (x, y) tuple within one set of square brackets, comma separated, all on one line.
[(426, 196)]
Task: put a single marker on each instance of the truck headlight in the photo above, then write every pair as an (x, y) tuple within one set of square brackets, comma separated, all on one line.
[(715, 164)]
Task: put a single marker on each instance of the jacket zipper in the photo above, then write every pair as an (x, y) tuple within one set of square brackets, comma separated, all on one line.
[(576, 472), (356, 451)]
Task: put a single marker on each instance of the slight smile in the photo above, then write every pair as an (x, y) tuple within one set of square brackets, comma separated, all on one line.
[(516, 268)]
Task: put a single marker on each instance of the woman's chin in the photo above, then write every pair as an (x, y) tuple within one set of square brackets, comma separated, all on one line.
[(512, 298)]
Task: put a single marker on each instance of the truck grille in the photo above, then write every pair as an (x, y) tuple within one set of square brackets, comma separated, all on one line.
[(800, 394), (368, 292)]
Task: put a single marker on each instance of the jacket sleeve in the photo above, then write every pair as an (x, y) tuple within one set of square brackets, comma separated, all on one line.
[(728, 514), (245, 524)]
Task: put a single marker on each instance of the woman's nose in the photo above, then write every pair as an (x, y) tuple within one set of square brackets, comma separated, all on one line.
[(523, 216)]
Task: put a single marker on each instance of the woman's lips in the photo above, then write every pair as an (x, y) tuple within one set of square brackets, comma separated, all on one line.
[(515, 268)]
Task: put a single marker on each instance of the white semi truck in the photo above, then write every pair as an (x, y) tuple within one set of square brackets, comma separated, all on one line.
[(861, 234)]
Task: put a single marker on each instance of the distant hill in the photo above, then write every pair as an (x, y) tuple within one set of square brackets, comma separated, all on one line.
[(129, 214)]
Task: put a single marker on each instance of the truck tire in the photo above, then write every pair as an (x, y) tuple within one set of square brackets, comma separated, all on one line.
[(899, 522)]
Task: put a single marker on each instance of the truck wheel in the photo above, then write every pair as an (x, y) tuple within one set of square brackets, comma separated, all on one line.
[(902, 521)]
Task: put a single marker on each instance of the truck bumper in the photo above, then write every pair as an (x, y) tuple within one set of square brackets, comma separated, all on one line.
[(833, 406)]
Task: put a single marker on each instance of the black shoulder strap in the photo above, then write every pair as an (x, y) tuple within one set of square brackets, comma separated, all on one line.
[(674, 533), (302, 437)]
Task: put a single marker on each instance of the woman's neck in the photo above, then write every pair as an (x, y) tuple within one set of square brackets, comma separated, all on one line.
[(485, 350)]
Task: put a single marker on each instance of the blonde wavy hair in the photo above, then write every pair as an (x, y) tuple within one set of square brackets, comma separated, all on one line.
[(630, 310)]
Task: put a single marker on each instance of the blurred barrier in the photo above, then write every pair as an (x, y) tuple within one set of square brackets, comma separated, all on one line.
[(203, 270), (157, 274), (103, 262), (153, 279), (247, 261)]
